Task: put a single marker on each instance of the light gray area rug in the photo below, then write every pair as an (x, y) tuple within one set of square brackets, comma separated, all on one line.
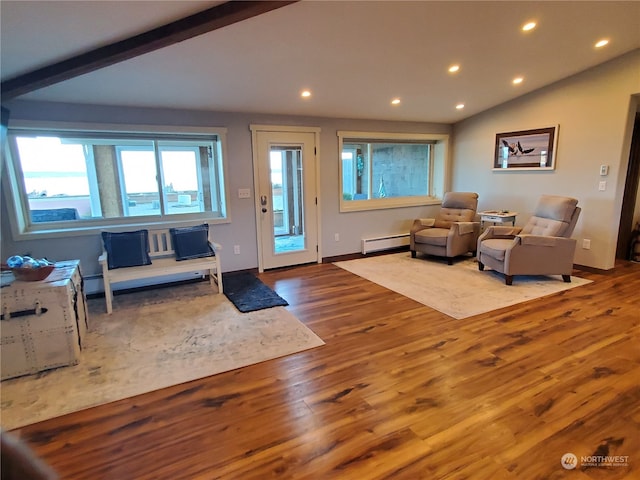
[(153, 340), (459, 290)]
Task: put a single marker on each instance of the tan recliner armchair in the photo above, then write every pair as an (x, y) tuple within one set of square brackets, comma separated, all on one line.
[(452, 233), (541, 247)]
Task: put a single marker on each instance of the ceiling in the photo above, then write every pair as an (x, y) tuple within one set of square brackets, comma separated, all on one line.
[(354, 56)]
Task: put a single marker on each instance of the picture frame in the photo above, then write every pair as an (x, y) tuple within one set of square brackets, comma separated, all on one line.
[(533, 149)]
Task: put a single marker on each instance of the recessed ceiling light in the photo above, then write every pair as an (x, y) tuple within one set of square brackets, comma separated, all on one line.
[(528, 26), (454, 68), (602, 43), (518, 80), (395, 101), (460, 106), (305, 94)]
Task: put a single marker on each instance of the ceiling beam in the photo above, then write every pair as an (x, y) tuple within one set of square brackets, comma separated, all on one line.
[(203, 22)]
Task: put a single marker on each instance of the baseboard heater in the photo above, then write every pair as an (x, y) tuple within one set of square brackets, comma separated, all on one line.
[(375, 244)]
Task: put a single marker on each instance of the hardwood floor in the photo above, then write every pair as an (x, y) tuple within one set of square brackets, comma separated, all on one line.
[(399, 391)]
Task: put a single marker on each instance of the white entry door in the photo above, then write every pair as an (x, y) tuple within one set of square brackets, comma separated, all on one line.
[(286, 195)]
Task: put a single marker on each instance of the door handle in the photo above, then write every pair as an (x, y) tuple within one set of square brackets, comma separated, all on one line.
[(263, 200)]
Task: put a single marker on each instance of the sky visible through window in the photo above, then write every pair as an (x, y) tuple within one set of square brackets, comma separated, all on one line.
[(52, 168)]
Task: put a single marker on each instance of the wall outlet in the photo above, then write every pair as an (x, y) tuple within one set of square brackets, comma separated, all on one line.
[(602, 186), (586, 243), (336, 237), (244, 193), (236, 249)]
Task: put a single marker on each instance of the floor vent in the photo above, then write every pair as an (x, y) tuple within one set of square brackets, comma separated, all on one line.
[(375, 244)]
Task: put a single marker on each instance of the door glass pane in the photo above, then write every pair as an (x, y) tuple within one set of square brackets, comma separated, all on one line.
[(287, 199)]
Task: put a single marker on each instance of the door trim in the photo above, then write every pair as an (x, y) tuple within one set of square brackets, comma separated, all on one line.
[(255, 128)]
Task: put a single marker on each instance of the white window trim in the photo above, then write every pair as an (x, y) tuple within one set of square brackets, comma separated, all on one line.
[(438, 175), (11, 188)]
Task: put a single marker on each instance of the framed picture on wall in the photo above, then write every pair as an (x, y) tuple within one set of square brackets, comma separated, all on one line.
[(526, 149)]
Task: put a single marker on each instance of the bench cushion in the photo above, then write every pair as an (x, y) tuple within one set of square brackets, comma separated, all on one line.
[(126, 249), (191, 242)]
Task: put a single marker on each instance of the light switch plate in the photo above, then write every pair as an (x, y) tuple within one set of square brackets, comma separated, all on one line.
[(604, 170)]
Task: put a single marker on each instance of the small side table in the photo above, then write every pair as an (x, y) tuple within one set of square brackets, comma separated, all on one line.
[(497, 216)]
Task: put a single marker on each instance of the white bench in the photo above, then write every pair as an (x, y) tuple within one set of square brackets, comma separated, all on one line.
[(163, 263)]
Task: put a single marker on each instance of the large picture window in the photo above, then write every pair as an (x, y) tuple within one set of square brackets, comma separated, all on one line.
[(71, 179), (386, 170)]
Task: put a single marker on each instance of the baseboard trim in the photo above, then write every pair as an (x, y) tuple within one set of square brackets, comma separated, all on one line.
[(586, 268), (355, 256)]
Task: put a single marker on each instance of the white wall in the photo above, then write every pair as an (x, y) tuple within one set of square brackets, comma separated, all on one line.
[(594, 111), (351, 226)]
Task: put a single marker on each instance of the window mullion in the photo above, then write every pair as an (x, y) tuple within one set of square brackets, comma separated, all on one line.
[(369, 170), (94, 195), (160, 178)]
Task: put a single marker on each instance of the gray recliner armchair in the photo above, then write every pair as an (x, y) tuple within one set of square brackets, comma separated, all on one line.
[(541, 247), (452, 233)]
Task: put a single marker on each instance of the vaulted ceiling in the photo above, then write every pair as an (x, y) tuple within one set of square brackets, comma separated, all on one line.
[(354, 57)]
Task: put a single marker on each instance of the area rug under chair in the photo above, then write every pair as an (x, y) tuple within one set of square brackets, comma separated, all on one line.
[(154, 340), (459, 290)]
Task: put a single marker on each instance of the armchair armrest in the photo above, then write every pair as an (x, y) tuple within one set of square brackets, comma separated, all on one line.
[(500, 231), (464, 228), (421, 223), (542, 240)]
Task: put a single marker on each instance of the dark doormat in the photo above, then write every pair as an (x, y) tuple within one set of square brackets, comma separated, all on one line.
[(248, 293)]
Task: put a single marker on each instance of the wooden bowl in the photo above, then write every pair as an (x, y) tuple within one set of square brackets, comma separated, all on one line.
[(32, 274)]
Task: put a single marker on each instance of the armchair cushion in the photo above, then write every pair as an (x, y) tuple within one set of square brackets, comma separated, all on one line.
[(553, 206), (544, 226), (552, 217), (496, 247), (457, 207), (433, 236)]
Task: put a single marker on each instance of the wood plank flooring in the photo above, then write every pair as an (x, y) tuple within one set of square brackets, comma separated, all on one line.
[(399, 391)]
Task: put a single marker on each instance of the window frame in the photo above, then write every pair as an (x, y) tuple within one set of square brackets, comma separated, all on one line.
[(438, 170), (15, 196)]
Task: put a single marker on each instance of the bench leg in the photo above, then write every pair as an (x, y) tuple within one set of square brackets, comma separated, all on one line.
[(108, 296), (217, 278), (218, 274)]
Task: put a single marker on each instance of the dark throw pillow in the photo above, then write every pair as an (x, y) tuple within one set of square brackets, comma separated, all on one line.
[(191, 242), (126, 249)]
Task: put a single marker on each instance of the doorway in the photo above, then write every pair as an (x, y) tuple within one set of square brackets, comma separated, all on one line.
[(286, 195), (629, 199)]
